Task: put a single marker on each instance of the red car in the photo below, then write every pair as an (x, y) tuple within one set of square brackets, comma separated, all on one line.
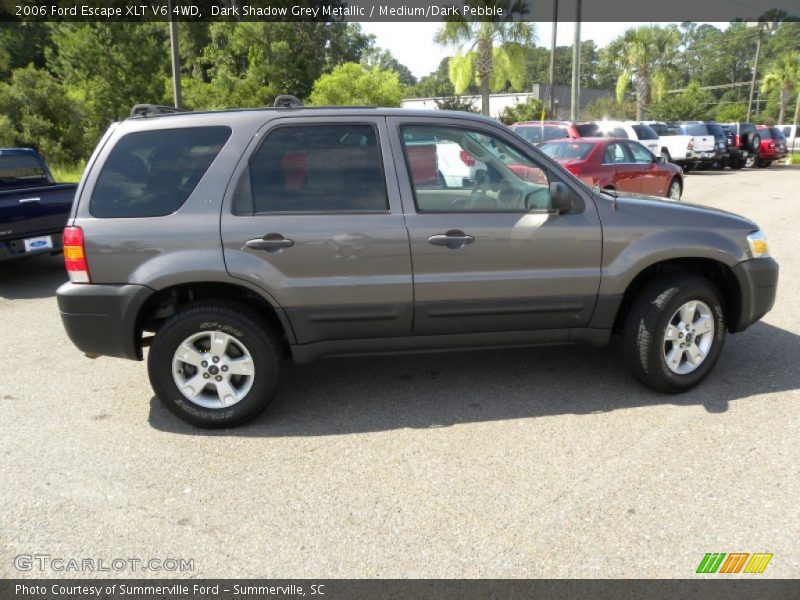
[(537, 132), (617, 164), (772, 146)]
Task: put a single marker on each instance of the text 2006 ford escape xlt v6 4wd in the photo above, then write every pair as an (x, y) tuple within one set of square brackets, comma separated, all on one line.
[(232, 240)]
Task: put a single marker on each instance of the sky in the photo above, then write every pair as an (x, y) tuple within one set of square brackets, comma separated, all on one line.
[(412, 43)]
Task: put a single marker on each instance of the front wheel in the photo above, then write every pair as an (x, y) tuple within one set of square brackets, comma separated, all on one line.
[(674, 333), (214, 365), (675, 190)]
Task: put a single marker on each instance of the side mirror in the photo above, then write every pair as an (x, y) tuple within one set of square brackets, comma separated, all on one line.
[(562, 199), (660, 160)]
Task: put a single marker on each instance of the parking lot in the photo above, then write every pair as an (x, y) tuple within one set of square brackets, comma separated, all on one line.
[(547, 462)]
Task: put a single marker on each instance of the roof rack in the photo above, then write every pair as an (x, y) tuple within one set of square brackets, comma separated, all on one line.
[(287, 101), (145, 110)]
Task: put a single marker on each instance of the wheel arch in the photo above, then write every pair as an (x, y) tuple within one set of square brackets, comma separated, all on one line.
[(162, 304), (720, 274)]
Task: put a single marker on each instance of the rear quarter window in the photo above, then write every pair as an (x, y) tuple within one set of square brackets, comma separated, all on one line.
[(645, 132), (152, 173)]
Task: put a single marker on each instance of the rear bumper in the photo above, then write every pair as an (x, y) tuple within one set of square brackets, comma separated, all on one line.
[(13, 249), (101, 319), (758, 282)]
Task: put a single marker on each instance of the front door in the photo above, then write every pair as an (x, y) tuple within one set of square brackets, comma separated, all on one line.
[(488, 255), (316, 221)]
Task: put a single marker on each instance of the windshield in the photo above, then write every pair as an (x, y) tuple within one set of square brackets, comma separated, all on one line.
[(645, 132), (588, 129), (696, 129), (21, 169), (533, 133), (567, 151)]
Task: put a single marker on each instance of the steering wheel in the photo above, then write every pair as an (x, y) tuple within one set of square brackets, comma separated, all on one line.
[(479, 191)]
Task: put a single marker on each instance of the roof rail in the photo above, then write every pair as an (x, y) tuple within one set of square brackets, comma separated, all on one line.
[(287, 101), (145, 110)]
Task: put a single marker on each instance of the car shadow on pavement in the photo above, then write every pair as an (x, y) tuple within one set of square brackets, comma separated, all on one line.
[(380, 393), (35, 277)]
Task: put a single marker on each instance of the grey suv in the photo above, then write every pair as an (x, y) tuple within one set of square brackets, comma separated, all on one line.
[(230, 241)]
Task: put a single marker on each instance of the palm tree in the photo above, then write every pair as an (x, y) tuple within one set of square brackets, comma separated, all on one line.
[(644, 54), (784, 76), (478, 59)]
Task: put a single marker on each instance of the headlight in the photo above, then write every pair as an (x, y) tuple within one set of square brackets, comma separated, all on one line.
[(758, 244)]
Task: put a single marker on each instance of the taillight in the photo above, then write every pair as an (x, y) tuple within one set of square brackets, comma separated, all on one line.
[(737, 141), (467, 158), (691, 145), (74, 255), (772, 144)]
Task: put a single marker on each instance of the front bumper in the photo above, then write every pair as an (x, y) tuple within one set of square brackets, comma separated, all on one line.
[(102, 319), (758, 283)]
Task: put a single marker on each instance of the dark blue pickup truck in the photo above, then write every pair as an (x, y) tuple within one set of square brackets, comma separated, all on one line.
[(33, 208)]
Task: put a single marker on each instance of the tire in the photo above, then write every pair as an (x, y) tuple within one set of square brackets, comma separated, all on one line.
[(246, 337), (646, 348), (687, 167), (703, 166), (749, 162), (671, 192), (736, 164), (665, 154), (763, 164), (754, 142)]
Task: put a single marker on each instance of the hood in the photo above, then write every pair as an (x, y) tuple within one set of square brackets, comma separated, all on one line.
[(677, 212)]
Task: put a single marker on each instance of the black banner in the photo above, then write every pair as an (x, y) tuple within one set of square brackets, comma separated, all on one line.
[(396, 10), (706, 587)]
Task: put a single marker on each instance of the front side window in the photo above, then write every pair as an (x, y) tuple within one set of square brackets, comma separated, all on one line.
[(615, 154), (475, 172), (152, 173), (641, 155), (315, 169)]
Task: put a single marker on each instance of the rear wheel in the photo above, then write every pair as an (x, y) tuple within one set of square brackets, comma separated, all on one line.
[(751, 160), (763, 164), (703, 166), (674, 333), (675, 190), (214, 365), (736, 164), (665, 155), (687, 167)]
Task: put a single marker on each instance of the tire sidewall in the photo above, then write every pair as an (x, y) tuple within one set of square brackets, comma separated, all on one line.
[(176, 331), (696, 291)]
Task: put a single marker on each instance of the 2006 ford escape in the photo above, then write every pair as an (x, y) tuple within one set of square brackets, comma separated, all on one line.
[(232, 240)]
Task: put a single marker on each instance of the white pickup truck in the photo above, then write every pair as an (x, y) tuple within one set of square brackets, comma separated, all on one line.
[(685, 144)]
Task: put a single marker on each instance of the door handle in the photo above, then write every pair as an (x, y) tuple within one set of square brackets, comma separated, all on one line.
[(272, 242), (453, 239), (27, 200)]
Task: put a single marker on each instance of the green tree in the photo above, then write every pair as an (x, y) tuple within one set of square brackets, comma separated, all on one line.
[(731, 112), (489, 52), (437, 84), (609, 108), (691, 104), (109, 67), (530, 110), (354, 84), (645, 54), (455, 103), (37, 113), (22, 44), (385, 60), (783, 77)]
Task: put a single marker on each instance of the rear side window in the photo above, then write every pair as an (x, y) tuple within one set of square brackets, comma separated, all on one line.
[(588, 129), (21, 170), (315, 169), (645, 132), (695, 129), (571, 150), (152, 173), (765, 134)]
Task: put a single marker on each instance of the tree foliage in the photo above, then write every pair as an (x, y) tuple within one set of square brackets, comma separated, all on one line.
[(689, 105), (456, 103), (530, 110), (354, 84)]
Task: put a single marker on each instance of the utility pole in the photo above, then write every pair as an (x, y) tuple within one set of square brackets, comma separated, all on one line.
[(575, 98), (176, 57), (796, 118), (551, 97), (755, 74)]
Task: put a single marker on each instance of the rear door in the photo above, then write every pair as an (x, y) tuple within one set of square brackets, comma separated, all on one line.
[(488, 256), (316, 221)]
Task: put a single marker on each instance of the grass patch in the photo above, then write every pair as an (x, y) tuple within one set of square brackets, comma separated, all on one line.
[(67, 173), (793, 159)]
